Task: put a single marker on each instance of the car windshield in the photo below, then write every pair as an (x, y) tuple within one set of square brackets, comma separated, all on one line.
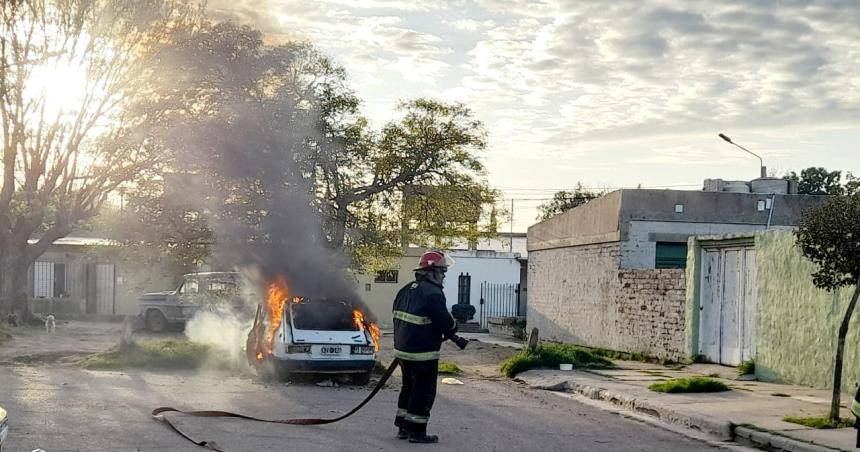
[(323, 315)]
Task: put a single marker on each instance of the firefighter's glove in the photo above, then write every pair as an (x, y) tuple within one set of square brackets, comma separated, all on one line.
[(462, 343)]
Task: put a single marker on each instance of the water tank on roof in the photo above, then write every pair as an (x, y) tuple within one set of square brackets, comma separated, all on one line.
[(770, 185), (736, 186)]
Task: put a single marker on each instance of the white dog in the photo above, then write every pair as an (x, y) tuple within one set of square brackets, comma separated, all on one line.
[(50, 324)]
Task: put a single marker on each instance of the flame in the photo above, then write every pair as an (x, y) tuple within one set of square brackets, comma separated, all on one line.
[(278, 293), (361, 324), (259, 356)]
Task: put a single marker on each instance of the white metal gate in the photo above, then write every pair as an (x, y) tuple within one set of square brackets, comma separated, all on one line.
[(728, 305)]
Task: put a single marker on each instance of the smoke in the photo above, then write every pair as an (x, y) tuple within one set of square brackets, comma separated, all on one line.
[(255, 156), (221, 329)]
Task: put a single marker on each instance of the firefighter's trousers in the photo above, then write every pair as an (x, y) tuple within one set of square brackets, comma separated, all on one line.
[(417, 395)]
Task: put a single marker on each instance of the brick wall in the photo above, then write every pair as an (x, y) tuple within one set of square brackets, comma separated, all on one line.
[(580, 295)]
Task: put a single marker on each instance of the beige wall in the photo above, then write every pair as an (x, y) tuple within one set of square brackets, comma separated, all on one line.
[(379, 297)]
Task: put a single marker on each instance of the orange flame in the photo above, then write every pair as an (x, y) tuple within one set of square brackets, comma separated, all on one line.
[(278, 293), (259, 356), (361, 324)]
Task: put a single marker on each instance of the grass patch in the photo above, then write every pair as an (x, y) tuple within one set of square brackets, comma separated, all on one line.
[(819, 422), (5, 332), (446, 367), (551, 355), (689, 385), (747, 368), (166, 354), (822, 422), (714, 375)]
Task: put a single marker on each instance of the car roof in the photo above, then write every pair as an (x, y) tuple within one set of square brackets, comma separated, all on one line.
[(212, 274)]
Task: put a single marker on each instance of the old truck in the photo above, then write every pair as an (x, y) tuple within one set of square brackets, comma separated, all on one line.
[(208, 290)]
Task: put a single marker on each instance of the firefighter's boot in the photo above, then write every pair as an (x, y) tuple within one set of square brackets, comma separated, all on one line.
[(423, 438), (402, 434)]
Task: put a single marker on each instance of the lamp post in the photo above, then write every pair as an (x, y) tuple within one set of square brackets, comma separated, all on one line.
[(761, 162)]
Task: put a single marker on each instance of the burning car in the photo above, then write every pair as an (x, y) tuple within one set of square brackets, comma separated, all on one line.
[(293, 335), (4, 427)]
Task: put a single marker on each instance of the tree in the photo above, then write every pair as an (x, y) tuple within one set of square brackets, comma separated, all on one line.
[(817, 181), (70, 73), (829, 236), (565, 200), (283, 115)]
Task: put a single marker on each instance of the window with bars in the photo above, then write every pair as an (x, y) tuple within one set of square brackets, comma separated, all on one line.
[(386, 276), (49, 280)]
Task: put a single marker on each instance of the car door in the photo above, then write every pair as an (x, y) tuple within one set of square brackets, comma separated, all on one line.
[(253, 345)]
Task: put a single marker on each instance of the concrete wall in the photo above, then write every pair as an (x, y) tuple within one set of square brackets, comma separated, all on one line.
[(580, 295), (595, 222), (640, 248), (798, 323)]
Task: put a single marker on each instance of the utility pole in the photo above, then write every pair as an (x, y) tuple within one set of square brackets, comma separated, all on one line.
[(512, 225)]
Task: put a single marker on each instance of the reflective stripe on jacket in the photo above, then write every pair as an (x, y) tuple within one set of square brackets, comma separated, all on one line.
[(421, 321)]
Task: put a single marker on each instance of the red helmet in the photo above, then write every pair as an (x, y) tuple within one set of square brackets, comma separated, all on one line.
[(434, 259)]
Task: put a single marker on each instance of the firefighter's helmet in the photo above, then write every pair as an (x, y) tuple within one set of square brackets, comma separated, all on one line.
[(434, 259)]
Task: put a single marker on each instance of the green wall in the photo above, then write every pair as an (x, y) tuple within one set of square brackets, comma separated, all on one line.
[(797, 323)]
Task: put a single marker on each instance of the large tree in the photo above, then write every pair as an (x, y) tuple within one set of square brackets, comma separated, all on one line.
[(70, 73), (818, 181), (829, 236), (284, 113)]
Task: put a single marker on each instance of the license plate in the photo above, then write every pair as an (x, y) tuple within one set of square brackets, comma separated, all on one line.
[(330, 350)]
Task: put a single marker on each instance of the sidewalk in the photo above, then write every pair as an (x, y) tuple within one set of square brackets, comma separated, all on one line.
[(751, 413)]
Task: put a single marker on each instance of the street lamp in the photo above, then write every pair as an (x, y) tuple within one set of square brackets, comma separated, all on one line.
[(761, 162)]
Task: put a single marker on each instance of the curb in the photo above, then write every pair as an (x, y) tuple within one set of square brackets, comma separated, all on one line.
[(722, 430), (770, 441)]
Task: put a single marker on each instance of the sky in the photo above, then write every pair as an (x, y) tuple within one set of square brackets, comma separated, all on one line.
[(612, 94)]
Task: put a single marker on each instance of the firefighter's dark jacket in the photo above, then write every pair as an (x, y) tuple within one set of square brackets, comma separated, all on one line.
[(421, 321)]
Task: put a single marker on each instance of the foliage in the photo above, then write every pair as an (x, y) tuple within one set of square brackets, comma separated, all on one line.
[(564, 200), (280, 121), (747, 367), (166, 354), (551, 355), (689, 385), (820, 181), (5, 332), (822, 422), (449, 368), (68, 143), (829, 236)]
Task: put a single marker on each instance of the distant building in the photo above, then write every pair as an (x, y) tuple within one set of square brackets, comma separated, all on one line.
[(492, 276), (80, 276), (610, 273)]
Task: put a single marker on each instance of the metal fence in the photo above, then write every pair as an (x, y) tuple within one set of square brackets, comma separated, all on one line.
[(498, 299)]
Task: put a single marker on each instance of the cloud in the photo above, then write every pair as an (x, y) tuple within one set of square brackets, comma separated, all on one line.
[(564, 79)]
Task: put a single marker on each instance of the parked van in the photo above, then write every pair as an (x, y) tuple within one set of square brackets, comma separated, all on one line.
[(314, 336)]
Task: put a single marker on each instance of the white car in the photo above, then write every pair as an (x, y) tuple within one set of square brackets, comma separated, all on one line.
[(4, 427), (314, 337)]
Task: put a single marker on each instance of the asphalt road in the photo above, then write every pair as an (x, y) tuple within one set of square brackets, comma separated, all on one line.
[(62, 408)]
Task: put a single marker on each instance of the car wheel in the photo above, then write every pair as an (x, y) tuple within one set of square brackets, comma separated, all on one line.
[(362, 379), (155, 321)]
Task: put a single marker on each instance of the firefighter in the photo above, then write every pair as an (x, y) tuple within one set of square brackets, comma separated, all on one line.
[(421, 324), (855, 410)]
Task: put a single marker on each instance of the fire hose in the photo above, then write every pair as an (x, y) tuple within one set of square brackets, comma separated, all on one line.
[(158, 414)]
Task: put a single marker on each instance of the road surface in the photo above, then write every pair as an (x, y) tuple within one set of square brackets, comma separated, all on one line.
[(62, 408)]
